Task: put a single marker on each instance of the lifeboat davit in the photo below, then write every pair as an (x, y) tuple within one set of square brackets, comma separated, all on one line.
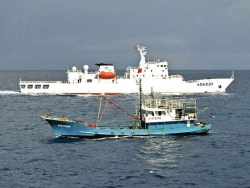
[(107, 75)]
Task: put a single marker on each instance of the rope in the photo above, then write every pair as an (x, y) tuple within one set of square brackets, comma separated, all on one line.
[(103, 112), (98, 116)]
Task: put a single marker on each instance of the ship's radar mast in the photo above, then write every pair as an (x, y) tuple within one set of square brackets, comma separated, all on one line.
[(143, 53)]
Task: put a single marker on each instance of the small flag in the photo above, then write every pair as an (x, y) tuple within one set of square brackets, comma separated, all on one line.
[(139, 70), (135, 47)]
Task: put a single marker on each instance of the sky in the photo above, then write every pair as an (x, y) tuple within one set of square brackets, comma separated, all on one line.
[(189, 34)]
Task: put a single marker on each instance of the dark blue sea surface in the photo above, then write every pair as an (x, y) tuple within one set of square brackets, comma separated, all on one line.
[(31, 155)]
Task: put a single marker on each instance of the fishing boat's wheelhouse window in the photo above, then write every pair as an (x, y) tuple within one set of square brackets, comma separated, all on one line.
[(30, 86), (89, 80), (190, 108), (23, 86), (161, 113), (37, 86), (45, 86), (148, 113)]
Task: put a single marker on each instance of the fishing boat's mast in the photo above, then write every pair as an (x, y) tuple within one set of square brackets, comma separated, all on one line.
[(140, 90)]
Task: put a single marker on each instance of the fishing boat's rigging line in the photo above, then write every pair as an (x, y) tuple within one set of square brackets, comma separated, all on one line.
[(202, 110), (130, 115), (99, 118)]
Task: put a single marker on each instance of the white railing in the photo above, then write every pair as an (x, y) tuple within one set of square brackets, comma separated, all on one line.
[(36, 82)]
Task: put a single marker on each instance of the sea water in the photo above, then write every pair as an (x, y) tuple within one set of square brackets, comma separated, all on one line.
[(31, 155)]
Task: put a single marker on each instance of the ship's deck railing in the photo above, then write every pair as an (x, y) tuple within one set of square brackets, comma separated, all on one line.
[(118, 77), (132, 67), (192, 81), (75, 70), (39, 82), (167, 104), (80, 71), (175, 76)]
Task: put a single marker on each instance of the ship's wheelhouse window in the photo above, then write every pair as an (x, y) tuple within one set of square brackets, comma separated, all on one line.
[(45, 86), (149, 113), (89, 80), (30, 86), (23, 86), (161, 65), (37, 86), (165, 65), (161, 113)]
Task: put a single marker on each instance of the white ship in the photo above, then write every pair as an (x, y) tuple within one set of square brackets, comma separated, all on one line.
[(154, 77)]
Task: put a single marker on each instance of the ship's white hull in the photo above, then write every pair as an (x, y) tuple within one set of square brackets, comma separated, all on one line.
[(111, 87), (154, 77)]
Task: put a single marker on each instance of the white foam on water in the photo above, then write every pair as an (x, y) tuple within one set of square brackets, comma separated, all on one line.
[(9, 93)]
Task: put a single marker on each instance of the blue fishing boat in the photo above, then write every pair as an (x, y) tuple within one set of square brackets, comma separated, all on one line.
[(156, 117)]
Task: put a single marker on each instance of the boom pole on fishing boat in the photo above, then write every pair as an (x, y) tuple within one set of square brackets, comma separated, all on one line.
[(119, 107)]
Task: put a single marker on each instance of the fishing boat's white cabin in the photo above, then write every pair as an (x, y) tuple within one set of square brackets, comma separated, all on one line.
[(160, 110)]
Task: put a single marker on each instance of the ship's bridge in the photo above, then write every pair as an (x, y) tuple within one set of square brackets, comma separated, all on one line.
[(157, 69)]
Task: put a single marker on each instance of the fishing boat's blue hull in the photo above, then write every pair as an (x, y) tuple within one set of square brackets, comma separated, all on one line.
[(74, 129)]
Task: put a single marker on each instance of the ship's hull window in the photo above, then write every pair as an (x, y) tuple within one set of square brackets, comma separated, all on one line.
[(37, 86), (45, 86)]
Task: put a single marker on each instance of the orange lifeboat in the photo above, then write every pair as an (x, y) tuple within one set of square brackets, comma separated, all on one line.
[(107, 75)]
